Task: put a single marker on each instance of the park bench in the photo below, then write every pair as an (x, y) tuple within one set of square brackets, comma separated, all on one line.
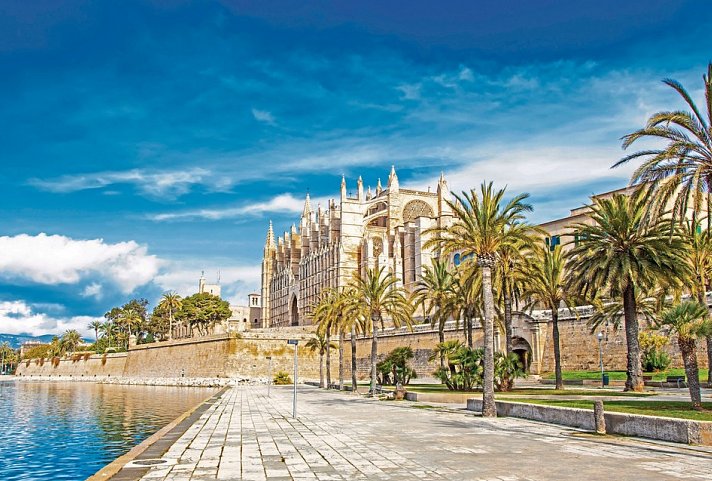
[(677, 380)]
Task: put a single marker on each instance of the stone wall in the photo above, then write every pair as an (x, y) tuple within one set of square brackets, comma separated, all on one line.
[(421, 342), (76, 366), (209, 357), (579, 348)]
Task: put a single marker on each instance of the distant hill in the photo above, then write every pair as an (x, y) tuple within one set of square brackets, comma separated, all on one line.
[(16, 340)]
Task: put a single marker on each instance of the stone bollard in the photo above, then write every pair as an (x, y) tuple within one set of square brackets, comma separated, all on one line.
[(400, 392), (599, 417)]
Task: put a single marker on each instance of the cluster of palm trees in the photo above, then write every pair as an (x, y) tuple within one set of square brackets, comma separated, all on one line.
[(652, 244), (133, 319)]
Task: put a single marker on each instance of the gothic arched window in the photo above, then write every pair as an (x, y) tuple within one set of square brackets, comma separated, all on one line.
[(415, 209)]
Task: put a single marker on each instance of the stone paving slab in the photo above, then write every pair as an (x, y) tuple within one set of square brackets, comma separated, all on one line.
[(245, 435)]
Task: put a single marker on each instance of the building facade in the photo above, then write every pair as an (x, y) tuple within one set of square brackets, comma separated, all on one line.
[(372, 229)]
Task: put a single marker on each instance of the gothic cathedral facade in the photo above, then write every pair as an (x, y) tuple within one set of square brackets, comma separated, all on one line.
[(387, 228)]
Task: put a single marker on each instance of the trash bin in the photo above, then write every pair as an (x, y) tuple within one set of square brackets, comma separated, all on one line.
[(605, 379)]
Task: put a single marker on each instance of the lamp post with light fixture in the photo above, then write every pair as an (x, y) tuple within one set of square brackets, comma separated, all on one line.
[(600, 357)]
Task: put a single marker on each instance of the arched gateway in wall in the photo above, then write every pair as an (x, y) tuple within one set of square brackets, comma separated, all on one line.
[(294, 312)]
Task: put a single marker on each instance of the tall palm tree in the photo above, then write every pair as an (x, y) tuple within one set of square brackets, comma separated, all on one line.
[(680, 172), (688, 320), (95, 326), (325, 314), (171, 302), (107, 329), (341, 307), (433, 291), (622, 254), (485, 226), (547, 287), (319, 344), (379, 298), (466, 299), (511, 271), (70, 340)]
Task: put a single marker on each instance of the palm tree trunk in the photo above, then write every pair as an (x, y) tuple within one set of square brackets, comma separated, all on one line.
[(441, 338), (709, 360), (470, 342), (341, 359), (489, 408), (321, 370), (374, 356), (328, 358), (507, 318), (557, 349), (702, 298), (354, 383), (634, 379), (170, 324), (689, 359)]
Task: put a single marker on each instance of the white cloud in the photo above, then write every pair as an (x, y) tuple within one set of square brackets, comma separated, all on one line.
[(17, 317), (155, 184), (56, 259), (236, 281), (93, 290), (283, 203), (263, 116)]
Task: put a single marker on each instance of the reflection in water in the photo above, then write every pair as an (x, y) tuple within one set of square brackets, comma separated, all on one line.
[(68, 431)]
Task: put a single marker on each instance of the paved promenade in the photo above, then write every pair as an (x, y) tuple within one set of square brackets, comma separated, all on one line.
[(245, 435)]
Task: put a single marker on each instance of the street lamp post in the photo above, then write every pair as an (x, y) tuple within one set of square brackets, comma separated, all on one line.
[(600, 357), (294, 342), (269, 375)]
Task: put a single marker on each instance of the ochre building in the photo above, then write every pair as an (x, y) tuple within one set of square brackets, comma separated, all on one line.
[(371, 229)]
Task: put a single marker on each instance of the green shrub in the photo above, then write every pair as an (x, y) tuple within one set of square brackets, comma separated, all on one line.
[(282, 377), (653, 358), (655, 361), (394, 368), (465, 367)]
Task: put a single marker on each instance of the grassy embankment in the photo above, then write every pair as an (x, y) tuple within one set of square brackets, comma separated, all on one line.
[(621, 375), (671, 409)]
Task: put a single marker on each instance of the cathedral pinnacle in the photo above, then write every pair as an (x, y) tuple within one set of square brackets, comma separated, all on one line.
[(270, 236), (307, 207), (393, 179)]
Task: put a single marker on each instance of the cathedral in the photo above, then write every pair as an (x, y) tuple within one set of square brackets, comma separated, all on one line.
[(373, 229)]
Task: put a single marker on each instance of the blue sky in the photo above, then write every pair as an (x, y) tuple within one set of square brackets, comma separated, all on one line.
[(143, 142)]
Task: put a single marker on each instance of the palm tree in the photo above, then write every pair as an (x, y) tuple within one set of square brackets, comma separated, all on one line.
[(325, 315), (95, 326), (688, 320), (379, 298), (510, 273), (70, 340), (108, 328), (433, 291), (621, 254), (681, 171), (547, 287), (171, 302), (319, 344), (466, 299), (485, 227)]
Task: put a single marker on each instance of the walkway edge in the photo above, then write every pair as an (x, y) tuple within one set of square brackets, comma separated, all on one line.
[(111, 469)]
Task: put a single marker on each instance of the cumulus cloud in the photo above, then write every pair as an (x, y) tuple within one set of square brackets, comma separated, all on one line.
[(155, 184), (56, 259), (236, 281), (283, 203), (18, 317), (93, 290), (263, 116)]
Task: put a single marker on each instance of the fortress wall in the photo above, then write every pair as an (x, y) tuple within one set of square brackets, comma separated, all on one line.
[(579, 348), (422, 344), (77, 366), (208, 357)]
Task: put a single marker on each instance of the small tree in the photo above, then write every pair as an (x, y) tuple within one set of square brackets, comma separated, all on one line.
[(689, 320), (654, 359), (394, 368), (320, 344)]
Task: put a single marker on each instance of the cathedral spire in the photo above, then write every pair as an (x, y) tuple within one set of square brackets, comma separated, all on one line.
[(343, 188), (378, 187), (360, 188), (393, 180), (307, 207), (270, 236)]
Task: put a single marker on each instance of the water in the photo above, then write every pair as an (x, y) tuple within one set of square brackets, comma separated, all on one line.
[(68, 431)]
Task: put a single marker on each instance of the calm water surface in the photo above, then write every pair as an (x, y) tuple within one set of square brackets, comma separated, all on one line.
[(68, 431)]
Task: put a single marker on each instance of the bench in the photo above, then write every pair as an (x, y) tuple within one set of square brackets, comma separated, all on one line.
[(676, 379)]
